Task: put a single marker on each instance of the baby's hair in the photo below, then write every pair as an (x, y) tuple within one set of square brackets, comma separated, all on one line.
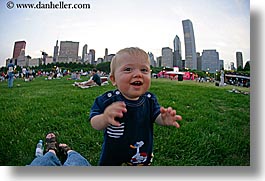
[(131, 51)]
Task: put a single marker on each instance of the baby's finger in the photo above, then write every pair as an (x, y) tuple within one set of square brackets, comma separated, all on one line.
[(120, 106), (169, 109), (176, 124), (178, 117), (115, 123), (173, 113), (162, 110)]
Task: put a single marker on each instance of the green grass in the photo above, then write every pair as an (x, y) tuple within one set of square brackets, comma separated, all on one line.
[(215, 130)]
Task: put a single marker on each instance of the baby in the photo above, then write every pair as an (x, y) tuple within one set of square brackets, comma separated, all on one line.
[(127, 114)]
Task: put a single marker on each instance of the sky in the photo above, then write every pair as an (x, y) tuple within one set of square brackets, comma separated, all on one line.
[(222, 25)]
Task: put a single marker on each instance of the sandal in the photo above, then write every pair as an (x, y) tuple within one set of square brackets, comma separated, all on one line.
[(51, 143), (63, 149)]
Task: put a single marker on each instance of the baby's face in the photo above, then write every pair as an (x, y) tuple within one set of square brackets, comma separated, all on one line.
[(132, 75)]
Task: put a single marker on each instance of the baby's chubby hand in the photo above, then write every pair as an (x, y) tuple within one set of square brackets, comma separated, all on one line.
[(113, 111), (169, 117)]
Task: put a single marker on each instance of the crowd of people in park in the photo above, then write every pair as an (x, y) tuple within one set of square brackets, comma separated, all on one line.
[(204, 79), (29, 74), (26, 73)]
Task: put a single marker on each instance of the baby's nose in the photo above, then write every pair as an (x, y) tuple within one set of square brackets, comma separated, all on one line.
[(137, 73)]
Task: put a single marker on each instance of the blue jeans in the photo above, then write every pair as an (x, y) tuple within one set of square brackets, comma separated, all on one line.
[(10, 80), (50, 159)]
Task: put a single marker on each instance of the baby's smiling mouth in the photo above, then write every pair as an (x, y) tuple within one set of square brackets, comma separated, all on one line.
[(137, 83)]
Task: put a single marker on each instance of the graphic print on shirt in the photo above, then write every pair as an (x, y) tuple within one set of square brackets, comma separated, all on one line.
[(10, 69), (138, 157), (115, 131)]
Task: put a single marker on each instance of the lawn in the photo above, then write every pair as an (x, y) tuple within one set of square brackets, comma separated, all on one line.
[(215, 130)]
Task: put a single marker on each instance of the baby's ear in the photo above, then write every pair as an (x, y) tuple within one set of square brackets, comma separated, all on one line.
[(112, 79)]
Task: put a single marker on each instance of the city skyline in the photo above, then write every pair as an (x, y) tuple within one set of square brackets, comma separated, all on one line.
[(220, 25)]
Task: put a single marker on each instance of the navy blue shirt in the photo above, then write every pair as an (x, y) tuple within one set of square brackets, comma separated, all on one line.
[(132, 142)]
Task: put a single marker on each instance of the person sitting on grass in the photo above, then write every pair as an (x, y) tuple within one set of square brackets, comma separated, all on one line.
[(127, 114), (59, 155), (94, 80)]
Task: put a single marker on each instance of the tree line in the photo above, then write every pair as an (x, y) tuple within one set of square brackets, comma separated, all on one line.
[(72, 66), (105, 67)]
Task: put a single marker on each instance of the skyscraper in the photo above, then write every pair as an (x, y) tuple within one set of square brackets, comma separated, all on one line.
[(177, 58), (239, 60), (92, 53), (68, 51), (190, 48), (21, 59), (84, 52), (167, 57), (55, 52), (199, 61), (19, 45), (210, 61), (221, 64), (232, 66), (152, 59), (106, 55)]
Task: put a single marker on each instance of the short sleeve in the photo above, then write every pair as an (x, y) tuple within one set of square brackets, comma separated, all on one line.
[(97, 108), (155, 107), (100, 103)]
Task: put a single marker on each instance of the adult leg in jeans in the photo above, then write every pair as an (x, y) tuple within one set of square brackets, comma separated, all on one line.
[(48, 159), (75, 159)]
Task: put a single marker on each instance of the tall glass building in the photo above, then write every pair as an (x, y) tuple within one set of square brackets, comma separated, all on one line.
[(190, 48), (239, 60), (177, 58), (167, 57), (55, 52), (210, 61)]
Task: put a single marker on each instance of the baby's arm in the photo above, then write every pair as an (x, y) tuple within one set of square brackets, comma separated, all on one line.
[(114, 110), (168, 117)]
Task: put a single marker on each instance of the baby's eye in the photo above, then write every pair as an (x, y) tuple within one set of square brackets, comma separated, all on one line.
[(144, 70), (127, 69)]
